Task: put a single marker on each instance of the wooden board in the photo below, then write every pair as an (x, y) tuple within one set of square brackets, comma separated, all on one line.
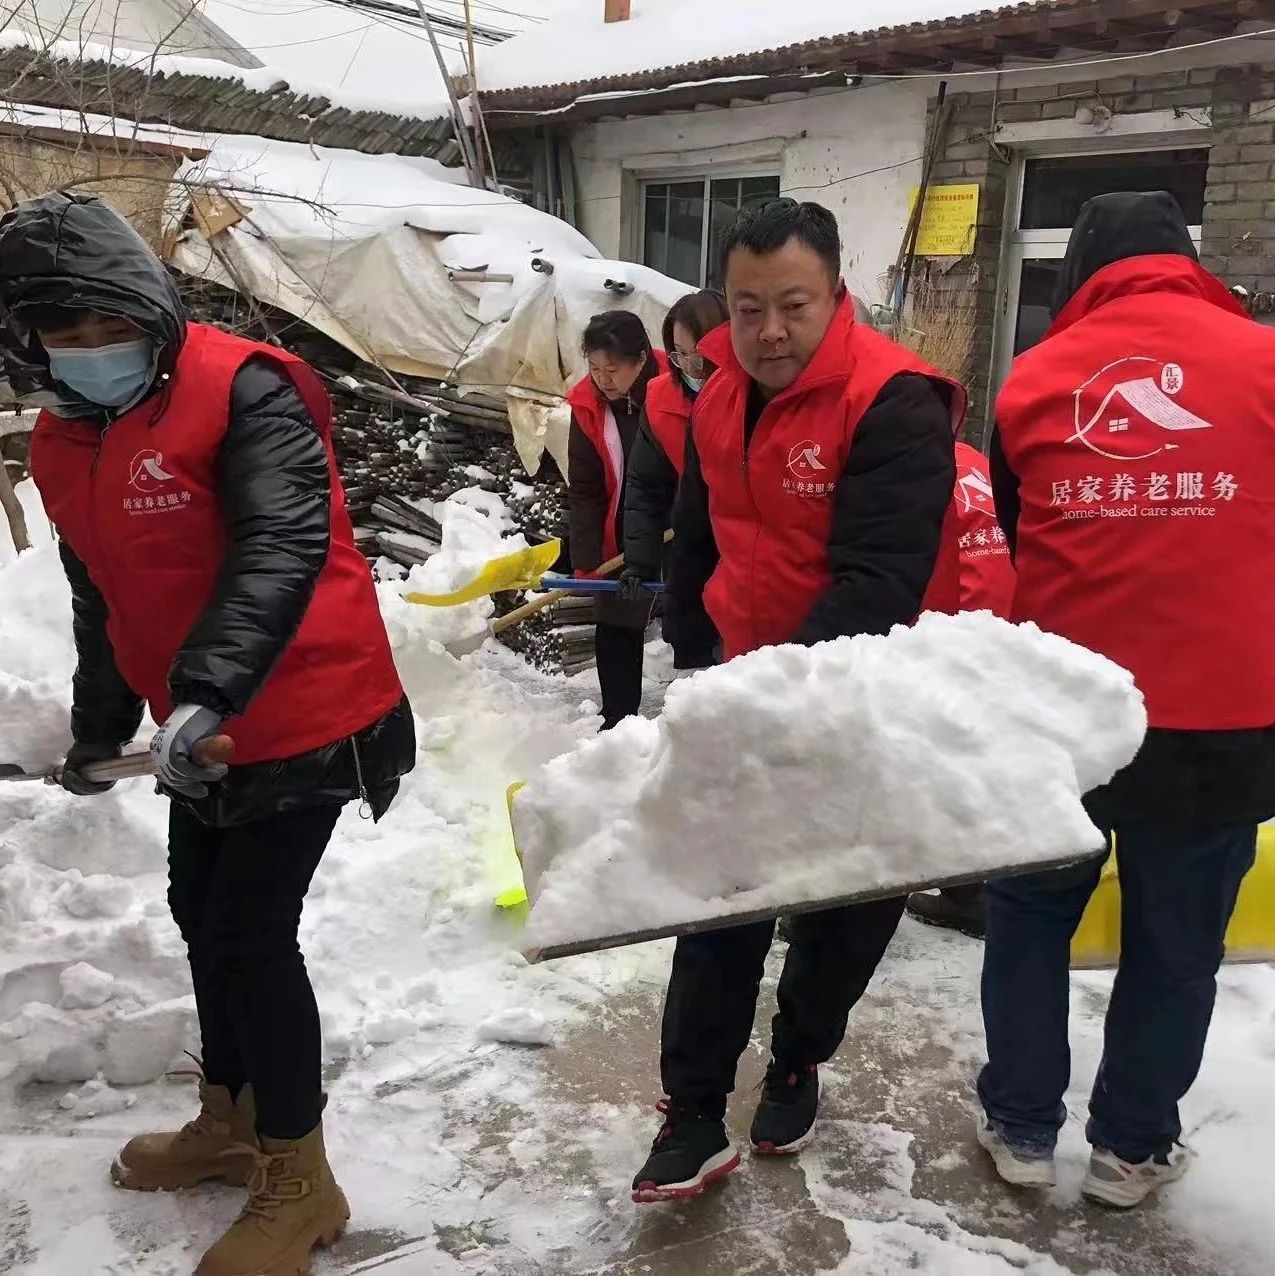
[(577, 948)]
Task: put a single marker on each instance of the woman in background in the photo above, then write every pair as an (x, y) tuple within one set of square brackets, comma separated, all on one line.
[(656, 464), (606, 409)]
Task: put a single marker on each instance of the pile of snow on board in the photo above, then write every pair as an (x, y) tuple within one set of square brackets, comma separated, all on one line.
[(798, 775)]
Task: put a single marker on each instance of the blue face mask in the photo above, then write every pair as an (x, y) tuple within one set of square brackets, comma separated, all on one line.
[(693, 384), (108, 376)]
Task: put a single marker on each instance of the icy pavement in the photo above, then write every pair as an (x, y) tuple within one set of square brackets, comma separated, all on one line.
[(461, 1156)]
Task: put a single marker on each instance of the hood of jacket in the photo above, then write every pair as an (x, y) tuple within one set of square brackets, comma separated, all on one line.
[(1113, 228), (77, 252)]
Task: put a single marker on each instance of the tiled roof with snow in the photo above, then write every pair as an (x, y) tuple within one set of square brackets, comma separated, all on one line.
[(360, 58), (668, 44)]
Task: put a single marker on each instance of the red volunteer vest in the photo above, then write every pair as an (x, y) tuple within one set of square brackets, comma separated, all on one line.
[(594, 414), (771, 506), (138, 505), (974, 571), (668, 409), (1142, 431)]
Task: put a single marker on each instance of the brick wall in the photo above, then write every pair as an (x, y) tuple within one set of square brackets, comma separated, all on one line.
[(1239, 220)]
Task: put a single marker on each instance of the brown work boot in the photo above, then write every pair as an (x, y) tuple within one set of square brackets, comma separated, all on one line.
[(294, 1204), (202, 1150)]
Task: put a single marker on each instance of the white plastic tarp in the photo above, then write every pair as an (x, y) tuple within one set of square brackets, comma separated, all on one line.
[(360, 247)]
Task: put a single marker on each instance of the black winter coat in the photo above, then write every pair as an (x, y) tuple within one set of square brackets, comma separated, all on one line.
[(887, 524), (274, 488), (588, 498), (648, 503)]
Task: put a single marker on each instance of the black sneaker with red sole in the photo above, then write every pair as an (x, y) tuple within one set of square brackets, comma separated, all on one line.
[(690, 1153), (786, 1114)]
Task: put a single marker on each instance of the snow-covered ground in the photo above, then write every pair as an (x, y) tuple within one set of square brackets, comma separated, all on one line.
[(487, 1116)]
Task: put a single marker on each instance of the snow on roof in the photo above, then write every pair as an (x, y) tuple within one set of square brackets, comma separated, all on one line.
[(358, 59), (579, 47)]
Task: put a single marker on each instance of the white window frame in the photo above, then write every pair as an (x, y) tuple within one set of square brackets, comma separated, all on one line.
[(1050, 243), (706, 178)]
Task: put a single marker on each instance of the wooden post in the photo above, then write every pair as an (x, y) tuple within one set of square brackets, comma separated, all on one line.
[(13, 510), (618, 10)]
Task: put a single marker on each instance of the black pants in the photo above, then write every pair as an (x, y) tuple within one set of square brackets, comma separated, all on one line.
[(619, 652), (712, 995), (236, 895)]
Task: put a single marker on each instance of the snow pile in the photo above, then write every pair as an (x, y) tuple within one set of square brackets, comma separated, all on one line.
[(517, 1026), (477, 527), (38, 650), (796, 775), (581, 46)]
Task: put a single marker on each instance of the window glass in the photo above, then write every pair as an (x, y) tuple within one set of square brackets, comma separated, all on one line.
[(1055, 189)]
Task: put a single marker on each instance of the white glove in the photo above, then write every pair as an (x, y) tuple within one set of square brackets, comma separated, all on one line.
[(173, 750)]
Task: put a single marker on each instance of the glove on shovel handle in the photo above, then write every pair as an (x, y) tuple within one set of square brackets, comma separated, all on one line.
[(209, 752)]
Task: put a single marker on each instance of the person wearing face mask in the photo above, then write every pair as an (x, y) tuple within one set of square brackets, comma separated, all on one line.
[(658, 451), (214, 577), (606, 407), (818, 474)]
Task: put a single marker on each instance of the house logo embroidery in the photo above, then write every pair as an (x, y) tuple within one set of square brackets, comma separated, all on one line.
[(974, 491), (1129, 410), (806, 474), (146, 472)]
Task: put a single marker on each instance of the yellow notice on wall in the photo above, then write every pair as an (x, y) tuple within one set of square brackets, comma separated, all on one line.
[(948, 221)]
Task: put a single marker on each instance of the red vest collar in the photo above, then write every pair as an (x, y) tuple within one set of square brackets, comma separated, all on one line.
[(1140, 276), (833, 359), (584, 394)]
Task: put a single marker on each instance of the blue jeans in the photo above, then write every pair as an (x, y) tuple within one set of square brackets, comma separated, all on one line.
[(1178, 890)]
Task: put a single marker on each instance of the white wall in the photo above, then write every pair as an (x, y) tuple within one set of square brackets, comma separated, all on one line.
[(811, 142)]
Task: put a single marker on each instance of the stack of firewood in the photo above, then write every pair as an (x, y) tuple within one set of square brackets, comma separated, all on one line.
[(405, 443)]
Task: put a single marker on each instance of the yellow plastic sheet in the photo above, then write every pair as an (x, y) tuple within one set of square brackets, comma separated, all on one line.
[(519, 570), (1251, 936)]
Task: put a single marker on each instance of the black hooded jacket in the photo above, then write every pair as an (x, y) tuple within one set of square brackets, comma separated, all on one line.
[(1182, 777), (650, 489), (76, 253)]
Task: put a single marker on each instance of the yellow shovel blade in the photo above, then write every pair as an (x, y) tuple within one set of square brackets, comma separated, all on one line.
[(515, 894), (1250, 937), (520, 570)]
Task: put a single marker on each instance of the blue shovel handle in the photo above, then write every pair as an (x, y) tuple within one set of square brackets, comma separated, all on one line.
[(586, 585)]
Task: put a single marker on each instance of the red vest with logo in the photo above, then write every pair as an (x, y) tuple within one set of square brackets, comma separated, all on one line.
[(1142, 431), (974, 571), (138, 505), (668, 409), (597, 422), (771, 505)]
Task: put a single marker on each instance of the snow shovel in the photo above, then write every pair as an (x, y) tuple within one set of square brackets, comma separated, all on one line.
[(591, 585), (527, 610), (626, 939), (128, 766), (1249, 938), (514, 894), (520, 570)]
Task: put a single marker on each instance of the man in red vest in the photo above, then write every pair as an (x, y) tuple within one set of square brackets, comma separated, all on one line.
[(214, 578), (975, 574), (1134, 470), (816, 480)]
